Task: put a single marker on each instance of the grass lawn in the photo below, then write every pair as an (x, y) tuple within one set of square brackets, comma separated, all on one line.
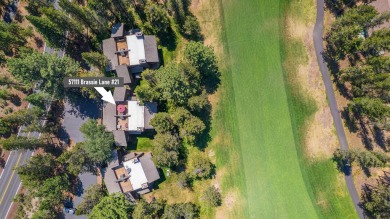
[(140, 143), (259, 122)]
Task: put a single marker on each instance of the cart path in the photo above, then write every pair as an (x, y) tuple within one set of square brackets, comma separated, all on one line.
[(318, 44)]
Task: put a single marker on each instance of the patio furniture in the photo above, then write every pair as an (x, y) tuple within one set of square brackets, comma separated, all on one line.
[(121, 108)]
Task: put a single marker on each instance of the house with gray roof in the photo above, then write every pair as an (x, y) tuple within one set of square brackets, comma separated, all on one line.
[(131, 49), (128, 117), (129, 53), (133, 176)]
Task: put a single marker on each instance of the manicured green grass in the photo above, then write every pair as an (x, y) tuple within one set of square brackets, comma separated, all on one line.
[(324, 183), (259, 121), (143, 144)]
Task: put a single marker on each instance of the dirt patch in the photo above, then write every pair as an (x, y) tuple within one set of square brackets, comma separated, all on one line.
[(229, 203), (35, 42), (209, 17)]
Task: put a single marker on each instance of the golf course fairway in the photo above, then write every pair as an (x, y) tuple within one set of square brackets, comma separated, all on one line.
[(261, 155)]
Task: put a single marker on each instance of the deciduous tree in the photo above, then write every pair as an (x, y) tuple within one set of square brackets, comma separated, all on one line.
[(114, 206), (166, 149), (92, 197), (191, 28), (76, 161), (162, 122), (98, 142), (189, 126), (181, 210), (144, 210), (156, 16), (204, 60), (177, 83), (198, 103), (212, 196), (200, 166)]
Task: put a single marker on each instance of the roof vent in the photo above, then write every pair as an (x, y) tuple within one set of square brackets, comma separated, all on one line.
[(142, 61), (139, 34)]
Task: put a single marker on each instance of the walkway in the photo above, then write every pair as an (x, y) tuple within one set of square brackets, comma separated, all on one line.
[(318, 44)]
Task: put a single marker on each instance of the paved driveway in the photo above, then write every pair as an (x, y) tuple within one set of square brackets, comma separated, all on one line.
[(76, 112)]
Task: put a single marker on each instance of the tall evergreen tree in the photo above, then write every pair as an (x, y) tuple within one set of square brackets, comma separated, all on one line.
[(376, 198), (54, 36), (83, 15), (373, 108), (63, 21), (48, 69), (157, 19)]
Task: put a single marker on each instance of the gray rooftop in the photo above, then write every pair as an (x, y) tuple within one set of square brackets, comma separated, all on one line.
[(118, 30), (123, 71), (150, 111), (120, 138), (109, 175), (109, 119), (149, 168), (151, 50), (119, 94), (109, 50)]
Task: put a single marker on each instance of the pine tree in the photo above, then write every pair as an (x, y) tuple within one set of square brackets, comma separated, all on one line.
[(83, 15), (63, 21), (95, 59), (373, 108), (54, 36)]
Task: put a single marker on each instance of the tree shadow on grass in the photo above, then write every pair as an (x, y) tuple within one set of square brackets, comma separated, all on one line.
[(156, 184), (379, 137), (168, 39), (364, 134), (366, 171), (15, 99), (350, 120), (343, 166), (204, 138), (2, 162)]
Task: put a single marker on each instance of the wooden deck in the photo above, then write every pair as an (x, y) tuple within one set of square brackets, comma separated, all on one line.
[(125, 185), (122, 122), (122, 60)]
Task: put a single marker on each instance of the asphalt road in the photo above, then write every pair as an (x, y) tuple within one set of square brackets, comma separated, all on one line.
[(10, 182), (318, 44), (9, 179)]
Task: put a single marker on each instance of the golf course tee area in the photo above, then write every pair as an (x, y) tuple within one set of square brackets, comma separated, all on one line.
[(264, 172)]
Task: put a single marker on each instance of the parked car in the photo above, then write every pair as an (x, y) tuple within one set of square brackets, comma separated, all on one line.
[(69, 210)]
